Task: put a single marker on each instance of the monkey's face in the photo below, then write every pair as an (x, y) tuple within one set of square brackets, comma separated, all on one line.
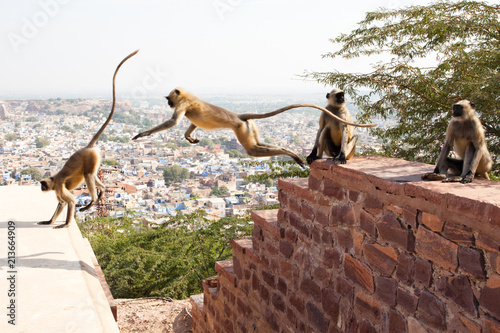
[(336, 97), (463, 108), (47, 184), (173, 98)]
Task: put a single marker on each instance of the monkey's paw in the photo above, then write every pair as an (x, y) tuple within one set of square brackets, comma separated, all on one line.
[(312, 158), (65, 225), (340, 159), (140, 135), (467, 179), (191, 140), (45, 223), (454, 179), (433, 176)]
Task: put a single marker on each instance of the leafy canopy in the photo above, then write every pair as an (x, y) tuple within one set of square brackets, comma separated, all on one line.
[(459, 43)]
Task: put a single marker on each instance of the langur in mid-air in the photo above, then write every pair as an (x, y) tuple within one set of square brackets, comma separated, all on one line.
[(82, 165), (334, 138), (209, 116), (465, 135)]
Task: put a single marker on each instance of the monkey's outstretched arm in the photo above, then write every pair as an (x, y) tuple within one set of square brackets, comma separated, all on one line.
[(247, 116), (176, 117), (60, 207)]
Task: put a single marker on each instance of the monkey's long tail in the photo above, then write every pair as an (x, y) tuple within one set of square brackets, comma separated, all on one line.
[(99, 132), (247, 116)]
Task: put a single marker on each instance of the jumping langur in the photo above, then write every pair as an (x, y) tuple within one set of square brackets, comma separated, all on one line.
[(208, 116), (334, 138), (82, 165), (466, 135)]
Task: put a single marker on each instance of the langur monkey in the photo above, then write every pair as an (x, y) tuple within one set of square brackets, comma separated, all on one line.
[(334, 137), (208, 116), (82, 165), (466, 134)]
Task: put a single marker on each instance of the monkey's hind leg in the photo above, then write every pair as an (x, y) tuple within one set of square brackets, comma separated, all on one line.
[(60, 207), (91, 180), (188, 132), (263, 149)]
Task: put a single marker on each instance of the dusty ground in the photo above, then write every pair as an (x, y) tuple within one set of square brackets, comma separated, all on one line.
[(153, 316)]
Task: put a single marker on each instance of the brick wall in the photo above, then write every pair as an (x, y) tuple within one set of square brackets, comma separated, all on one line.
[(363, 247)]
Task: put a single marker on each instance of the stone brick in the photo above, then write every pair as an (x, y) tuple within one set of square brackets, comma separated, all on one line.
[(278, 302), (354, 196), (487, 243), (373, 204), (459, 233), (431, 311), (299, 225), (344, 289), (333, 190), (358, 238), (471, 261), (495, 261), (342, 215), (367, 222), (272, 320), (322, 217), (282, 286), (459, 290), (391, 230), (423, 272), (410, 218), (395, 322), (269, 279), (491, 325), (332, 258), (407, 300), (469, 325), (307, 211), (437, 249), (369, 307), (316, 317), (490, 296), (433, 222), (343, 239), (366, 327), (314, 183), (415, 327), (286, 249), (331, 304), (311, 288), (386, 290), (321, 274), (297, 302), (359, 273), (406, 268), (381, 258), (471, 208)]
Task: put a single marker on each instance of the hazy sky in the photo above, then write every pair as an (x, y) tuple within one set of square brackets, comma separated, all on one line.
[(70, 48)]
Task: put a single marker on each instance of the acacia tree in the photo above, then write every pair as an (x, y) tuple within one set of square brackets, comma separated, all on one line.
[(464, 40)]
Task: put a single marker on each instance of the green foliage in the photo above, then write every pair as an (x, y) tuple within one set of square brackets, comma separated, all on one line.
[(11, 136), (183, 143), (235, 153), (67, 129), (175, 174), (110, 162), (219, 191), (276, 169), (41, 142), (170, 260), (35, 173), (463, 37), (32, 119), (206, 142)]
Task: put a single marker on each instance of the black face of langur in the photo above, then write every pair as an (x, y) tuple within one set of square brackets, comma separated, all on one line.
[(47, 184), (172, 97), (338, 99), (458, 109)]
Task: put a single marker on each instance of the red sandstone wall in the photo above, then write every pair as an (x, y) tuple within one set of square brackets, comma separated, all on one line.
[(363, 247)]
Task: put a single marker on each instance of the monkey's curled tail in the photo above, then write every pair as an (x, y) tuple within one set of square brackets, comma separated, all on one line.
[(99, 132), (247, 116)]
